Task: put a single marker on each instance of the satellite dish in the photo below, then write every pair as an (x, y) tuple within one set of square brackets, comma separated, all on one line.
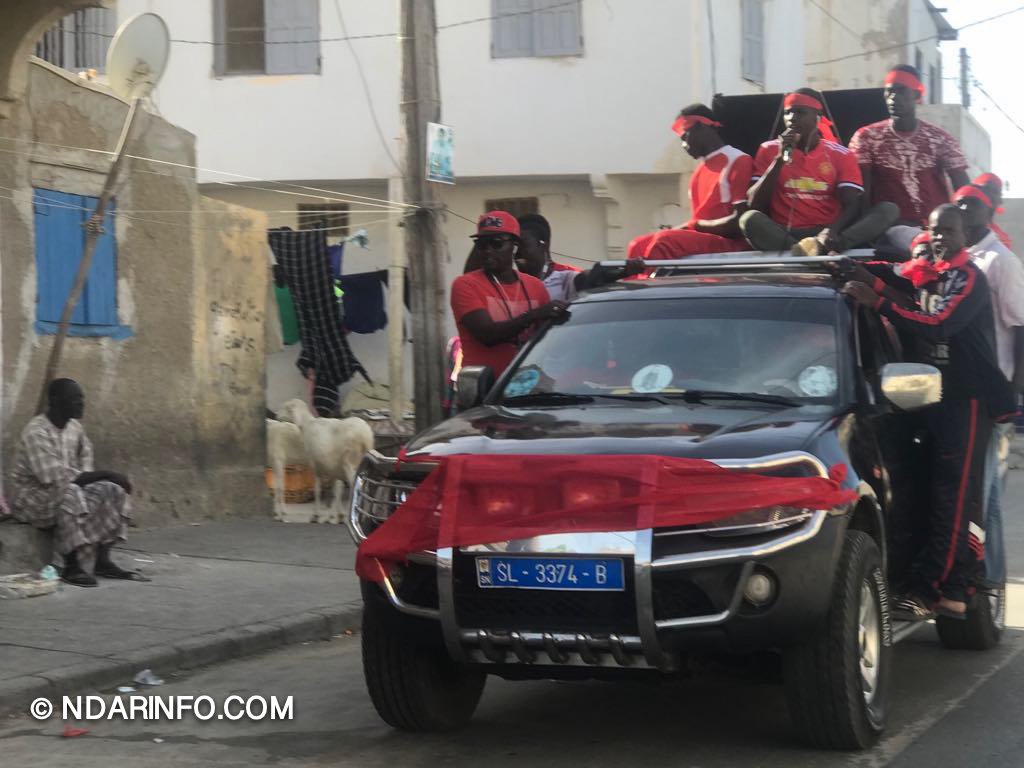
[(138, 56)]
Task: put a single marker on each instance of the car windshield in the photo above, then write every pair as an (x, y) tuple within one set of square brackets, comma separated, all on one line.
[(698, 349)]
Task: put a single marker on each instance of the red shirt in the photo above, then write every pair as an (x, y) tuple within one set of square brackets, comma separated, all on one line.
[(908, 169), (720, 180), (475, 290), (806, 190)]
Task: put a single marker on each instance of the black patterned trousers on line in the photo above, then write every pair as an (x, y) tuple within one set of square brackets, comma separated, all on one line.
[(959, 432)]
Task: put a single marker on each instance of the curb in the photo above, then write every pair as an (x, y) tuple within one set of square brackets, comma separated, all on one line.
[(199, 651)]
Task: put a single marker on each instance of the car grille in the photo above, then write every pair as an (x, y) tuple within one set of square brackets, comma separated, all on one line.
[(694, 592), (375, 499), (542, 610)]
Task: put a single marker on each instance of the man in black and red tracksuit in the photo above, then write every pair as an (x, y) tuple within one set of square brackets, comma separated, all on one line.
[(952, 324)]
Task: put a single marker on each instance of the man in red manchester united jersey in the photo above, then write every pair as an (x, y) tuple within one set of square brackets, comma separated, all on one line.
[(718, 194), (807, 187)]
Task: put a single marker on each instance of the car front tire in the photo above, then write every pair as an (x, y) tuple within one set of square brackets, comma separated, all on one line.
[(415, 687), (837, 682)]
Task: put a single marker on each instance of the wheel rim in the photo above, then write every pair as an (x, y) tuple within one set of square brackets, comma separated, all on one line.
[(997, 605), (869, 641)]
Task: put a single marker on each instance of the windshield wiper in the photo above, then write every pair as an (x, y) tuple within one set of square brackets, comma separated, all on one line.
[(635, 397), (547, 398), (701, 395)]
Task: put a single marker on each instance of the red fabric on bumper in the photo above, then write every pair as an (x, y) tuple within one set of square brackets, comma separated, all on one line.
[(482, 499)]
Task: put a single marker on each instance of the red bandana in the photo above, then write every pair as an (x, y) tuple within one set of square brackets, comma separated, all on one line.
[(923, 271), (684, 123), (899, 77), (825, 126)]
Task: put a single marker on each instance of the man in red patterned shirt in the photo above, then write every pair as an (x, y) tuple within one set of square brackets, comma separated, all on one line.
[(905, 160), (807, 188), (718, 193)]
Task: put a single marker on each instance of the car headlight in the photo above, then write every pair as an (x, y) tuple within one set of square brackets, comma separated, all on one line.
[(758, 521)]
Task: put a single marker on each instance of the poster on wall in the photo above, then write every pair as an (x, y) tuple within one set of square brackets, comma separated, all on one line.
[(440, 148)]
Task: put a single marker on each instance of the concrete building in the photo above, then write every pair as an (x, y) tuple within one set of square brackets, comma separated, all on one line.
[(168, 338)]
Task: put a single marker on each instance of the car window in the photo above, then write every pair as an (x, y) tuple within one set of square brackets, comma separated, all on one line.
[(767, 346)]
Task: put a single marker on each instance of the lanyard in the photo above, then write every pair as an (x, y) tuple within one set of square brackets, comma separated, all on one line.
[(507, 302)]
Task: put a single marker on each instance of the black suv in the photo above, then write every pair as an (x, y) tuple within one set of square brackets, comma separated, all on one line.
[(761, 367)]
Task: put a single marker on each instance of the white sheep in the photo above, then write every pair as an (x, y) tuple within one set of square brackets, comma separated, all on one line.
[(334, 447), (284, 446)]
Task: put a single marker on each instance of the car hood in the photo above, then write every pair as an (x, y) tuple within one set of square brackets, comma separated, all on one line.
[(683, 430)]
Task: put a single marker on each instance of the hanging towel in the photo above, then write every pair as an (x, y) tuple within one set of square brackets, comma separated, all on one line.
[(335, 253), (286, 309), (325, 354), (363, 299)]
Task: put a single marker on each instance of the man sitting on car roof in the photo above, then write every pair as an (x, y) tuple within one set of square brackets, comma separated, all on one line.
[(807, 188), (718, 194)]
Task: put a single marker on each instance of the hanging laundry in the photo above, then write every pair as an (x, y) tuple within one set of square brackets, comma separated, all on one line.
[(335, 253), (325, 354), (285, 308), (363, 299)]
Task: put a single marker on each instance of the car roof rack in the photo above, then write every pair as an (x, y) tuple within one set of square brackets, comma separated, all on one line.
[(745, 260)]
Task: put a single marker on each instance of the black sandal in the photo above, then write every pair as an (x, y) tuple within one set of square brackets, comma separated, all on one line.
[(111, 571), (78, 578)]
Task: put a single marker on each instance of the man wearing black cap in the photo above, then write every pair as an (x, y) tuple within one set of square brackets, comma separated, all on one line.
[(496, 307)]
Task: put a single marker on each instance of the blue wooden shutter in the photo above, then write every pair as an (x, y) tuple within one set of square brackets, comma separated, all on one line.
[(60, 243), (287, 23), (59, 240), (99, 298)]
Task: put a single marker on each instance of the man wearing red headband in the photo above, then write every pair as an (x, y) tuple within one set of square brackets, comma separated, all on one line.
[(808, 187), (718, 194), (905, 160), (992, 185), (1005, 276), (952, 329)]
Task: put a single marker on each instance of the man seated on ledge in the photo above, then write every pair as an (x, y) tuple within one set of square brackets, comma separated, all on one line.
[(807, 189), (55, 485)]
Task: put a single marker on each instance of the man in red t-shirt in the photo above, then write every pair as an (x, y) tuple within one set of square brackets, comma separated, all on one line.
[(496, 308), (905, 160), (807, 188), (718, 194)]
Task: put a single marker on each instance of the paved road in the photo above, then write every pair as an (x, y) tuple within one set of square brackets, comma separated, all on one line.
[(720, 719), (949, 709)]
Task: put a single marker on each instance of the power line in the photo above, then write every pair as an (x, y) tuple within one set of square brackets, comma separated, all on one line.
[(887, 48), (366, 91), (347, 37), (995, 104), (828, 13)]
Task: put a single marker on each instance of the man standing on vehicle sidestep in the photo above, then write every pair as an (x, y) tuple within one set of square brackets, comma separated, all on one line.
[(953, 319), (496, 309), (1005, 276)]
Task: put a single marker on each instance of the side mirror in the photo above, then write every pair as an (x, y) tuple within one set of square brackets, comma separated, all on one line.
[(474, 382), (910, 386)]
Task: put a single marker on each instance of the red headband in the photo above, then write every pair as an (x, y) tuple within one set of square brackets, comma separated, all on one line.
[(684, 123), (899, 77), (974, 192), (802, 100)]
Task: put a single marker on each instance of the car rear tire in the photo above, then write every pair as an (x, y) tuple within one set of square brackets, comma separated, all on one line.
[(981, 630), (415, 687), (837, 682)]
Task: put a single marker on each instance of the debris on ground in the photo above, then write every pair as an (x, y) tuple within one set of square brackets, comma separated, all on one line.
[(146, 677)]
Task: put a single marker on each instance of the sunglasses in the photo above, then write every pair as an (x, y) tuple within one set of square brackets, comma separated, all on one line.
[(493, 243)]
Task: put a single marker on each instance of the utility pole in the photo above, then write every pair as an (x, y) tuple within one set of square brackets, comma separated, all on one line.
[(965, 79), (421, 103)]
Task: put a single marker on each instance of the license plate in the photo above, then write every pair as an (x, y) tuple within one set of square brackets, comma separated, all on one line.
[(565, 573)]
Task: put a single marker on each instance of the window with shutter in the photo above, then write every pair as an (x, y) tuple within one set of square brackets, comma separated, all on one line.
[(60, 245), (274, 37), (524, 28), (517, 206), (752, 34), (80, 40)]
